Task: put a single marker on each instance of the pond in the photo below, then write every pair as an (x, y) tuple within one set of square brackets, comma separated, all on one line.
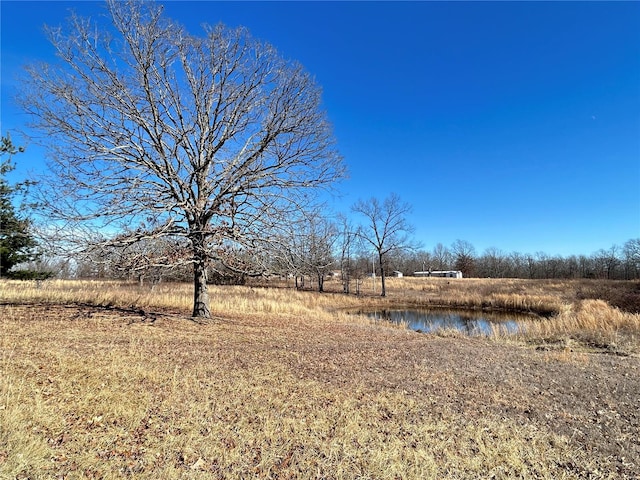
[(471, 323)]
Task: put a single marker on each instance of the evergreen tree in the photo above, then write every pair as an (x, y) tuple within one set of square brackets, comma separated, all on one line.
[(17, 244)]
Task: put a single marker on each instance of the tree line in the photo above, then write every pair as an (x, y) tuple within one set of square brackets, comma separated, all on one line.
[(614, 263)]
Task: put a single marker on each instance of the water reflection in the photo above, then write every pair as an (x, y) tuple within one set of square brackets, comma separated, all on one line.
[(470, 323)]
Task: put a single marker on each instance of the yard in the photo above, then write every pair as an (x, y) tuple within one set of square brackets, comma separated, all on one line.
[(109, 380)]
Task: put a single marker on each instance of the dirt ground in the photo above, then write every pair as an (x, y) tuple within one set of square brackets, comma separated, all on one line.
[(593, 399)]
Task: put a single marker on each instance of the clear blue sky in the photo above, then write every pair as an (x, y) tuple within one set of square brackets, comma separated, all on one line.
[(513, 125)]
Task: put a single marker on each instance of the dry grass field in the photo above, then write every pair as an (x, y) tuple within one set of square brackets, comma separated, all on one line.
[(111, 380)]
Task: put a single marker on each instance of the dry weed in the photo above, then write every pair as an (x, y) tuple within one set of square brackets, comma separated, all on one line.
[(591, 323)]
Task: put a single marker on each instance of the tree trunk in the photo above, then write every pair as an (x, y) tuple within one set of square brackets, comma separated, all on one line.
[(200, 291), (384, 288)]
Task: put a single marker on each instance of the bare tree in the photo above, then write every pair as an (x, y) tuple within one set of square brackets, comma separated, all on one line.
[(319, 236), (492, 263), (606, 262), (347, 245), (631, 252), (158, 132), (306, 248), (387, 229), (464, 254), (442, 257)]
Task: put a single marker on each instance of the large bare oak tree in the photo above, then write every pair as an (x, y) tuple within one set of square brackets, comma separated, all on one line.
[(214, 138)]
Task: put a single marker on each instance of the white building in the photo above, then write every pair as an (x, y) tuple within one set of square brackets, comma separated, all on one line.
[(440, 273)]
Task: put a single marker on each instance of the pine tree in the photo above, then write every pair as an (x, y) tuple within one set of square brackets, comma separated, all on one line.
[(17, 244)]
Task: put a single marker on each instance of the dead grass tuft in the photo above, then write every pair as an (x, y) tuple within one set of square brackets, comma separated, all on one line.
[(591, 323)]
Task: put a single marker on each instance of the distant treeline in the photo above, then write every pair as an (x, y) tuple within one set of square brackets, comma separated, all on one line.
[(615, 263), (144, 265)]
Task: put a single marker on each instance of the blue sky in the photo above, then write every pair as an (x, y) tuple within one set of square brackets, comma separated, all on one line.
[(513, 125)]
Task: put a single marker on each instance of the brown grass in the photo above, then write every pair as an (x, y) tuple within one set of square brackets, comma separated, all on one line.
[(567, 309), (284, 384), (590, 324)]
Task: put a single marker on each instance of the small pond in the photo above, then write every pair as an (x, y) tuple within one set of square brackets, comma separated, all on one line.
[(469, 322)]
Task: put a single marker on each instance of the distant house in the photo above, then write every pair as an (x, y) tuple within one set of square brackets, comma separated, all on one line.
[(396, 273), (440, 273)]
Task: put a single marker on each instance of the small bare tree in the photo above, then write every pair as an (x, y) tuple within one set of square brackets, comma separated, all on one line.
[(441, 257), (464, 254), (631, 252), (347, 245), (387, 229), (156, 132), (319, 236), (306, 248)]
